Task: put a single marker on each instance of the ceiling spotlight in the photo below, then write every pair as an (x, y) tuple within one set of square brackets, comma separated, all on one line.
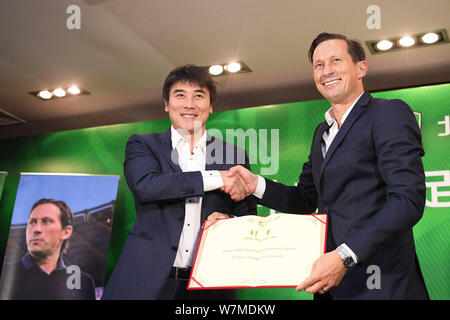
[(45, 94), (233, 67), (406, 41), (73, 90), (384, 45), (215, 70), (417, 40), (223, 69), (59, 92), (430, 37)]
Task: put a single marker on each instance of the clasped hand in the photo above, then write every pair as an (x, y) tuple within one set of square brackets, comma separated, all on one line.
[(239, 182)]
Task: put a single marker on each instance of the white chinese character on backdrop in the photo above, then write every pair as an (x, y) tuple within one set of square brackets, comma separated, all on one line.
[(446, 123), (434, 185)]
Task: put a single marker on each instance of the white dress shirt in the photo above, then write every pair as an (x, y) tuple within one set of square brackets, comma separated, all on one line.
[(211, 180), (328, 138)]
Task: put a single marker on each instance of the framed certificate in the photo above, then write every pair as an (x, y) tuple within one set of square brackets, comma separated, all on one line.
[(252, 251)]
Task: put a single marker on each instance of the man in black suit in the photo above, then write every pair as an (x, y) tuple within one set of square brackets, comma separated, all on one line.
[(365, 171), (176, 179)]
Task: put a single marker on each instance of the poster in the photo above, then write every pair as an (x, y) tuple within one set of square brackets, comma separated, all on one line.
[(59, 237)]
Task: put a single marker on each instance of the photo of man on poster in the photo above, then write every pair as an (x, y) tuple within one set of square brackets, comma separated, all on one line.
[(42, 273)]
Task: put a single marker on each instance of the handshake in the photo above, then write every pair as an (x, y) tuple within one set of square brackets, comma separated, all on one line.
[(239, 182)]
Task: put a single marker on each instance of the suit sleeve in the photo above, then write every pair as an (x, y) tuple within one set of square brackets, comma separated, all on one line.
[(398, 147), (147, 180), (293, 199)]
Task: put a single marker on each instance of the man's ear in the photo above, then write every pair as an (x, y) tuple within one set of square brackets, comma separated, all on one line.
[(362, 69), (166, 106), (67, 232)]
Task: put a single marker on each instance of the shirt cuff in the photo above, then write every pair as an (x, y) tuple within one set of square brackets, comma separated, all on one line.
[(350, 251), (260, 188), (212, 180)]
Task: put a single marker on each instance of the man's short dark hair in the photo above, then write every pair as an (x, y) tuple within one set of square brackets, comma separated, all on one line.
[(354, 48), (66, 217), (193, 75)]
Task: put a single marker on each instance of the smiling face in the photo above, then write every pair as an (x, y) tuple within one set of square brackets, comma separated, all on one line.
[(338, 78), (45, 234), (188, 104)]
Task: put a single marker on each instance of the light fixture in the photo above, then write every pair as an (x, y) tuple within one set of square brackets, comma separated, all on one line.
[(74, 90), (215, 70), (418, 40), (430, 38), (59, 92), (233, 67), (384, 45), (45, 94), (406, 41), (228, 68)]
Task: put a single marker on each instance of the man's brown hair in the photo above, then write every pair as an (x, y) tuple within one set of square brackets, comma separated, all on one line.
[(354, 48)]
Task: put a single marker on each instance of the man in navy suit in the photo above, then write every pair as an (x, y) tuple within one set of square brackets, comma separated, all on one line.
[(365, 171), (176, 178)]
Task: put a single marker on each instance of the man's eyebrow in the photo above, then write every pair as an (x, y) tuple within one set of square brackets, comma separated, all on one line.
[(331, 57), (183, 91), (43, 218), (317, 60)]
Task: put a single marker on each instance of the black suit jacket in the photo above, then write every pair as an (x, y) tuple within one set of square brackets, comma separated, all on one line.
[(160, 188), (372, 185)]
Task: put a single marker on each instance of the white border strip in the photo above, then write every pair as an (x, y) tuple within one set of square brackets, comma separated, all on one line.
[(66, 174)]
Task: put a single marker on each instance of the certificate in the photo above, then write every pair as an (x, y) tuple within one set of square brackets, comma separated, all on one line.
[(252, 251)]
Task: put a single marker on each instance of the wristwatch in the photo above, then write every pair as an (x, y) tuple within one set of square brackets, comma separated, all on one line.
[(346, 257)]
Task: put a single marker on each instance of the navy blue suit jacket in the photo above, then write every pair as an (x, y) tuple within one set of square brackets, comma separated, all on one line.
[(372, 185), (160, 188)]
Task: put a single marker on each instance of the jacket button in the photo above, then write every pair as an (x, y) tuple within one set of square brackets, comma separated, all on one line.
[(174, 248)]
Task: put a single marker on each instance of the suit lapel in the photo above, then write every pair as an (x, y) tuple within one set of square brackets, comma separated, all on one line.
[(170, 155), (357, 110), (317, 157)]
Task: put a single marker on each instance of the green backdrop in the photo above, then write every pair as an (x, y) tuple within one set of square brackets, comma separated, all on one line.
[(2, 182), (101, 151)]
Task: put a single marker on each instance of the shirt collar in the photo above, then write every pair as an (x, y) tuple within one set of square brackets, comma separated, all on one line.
[(177, 137), (329, 116), (29, 262)]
